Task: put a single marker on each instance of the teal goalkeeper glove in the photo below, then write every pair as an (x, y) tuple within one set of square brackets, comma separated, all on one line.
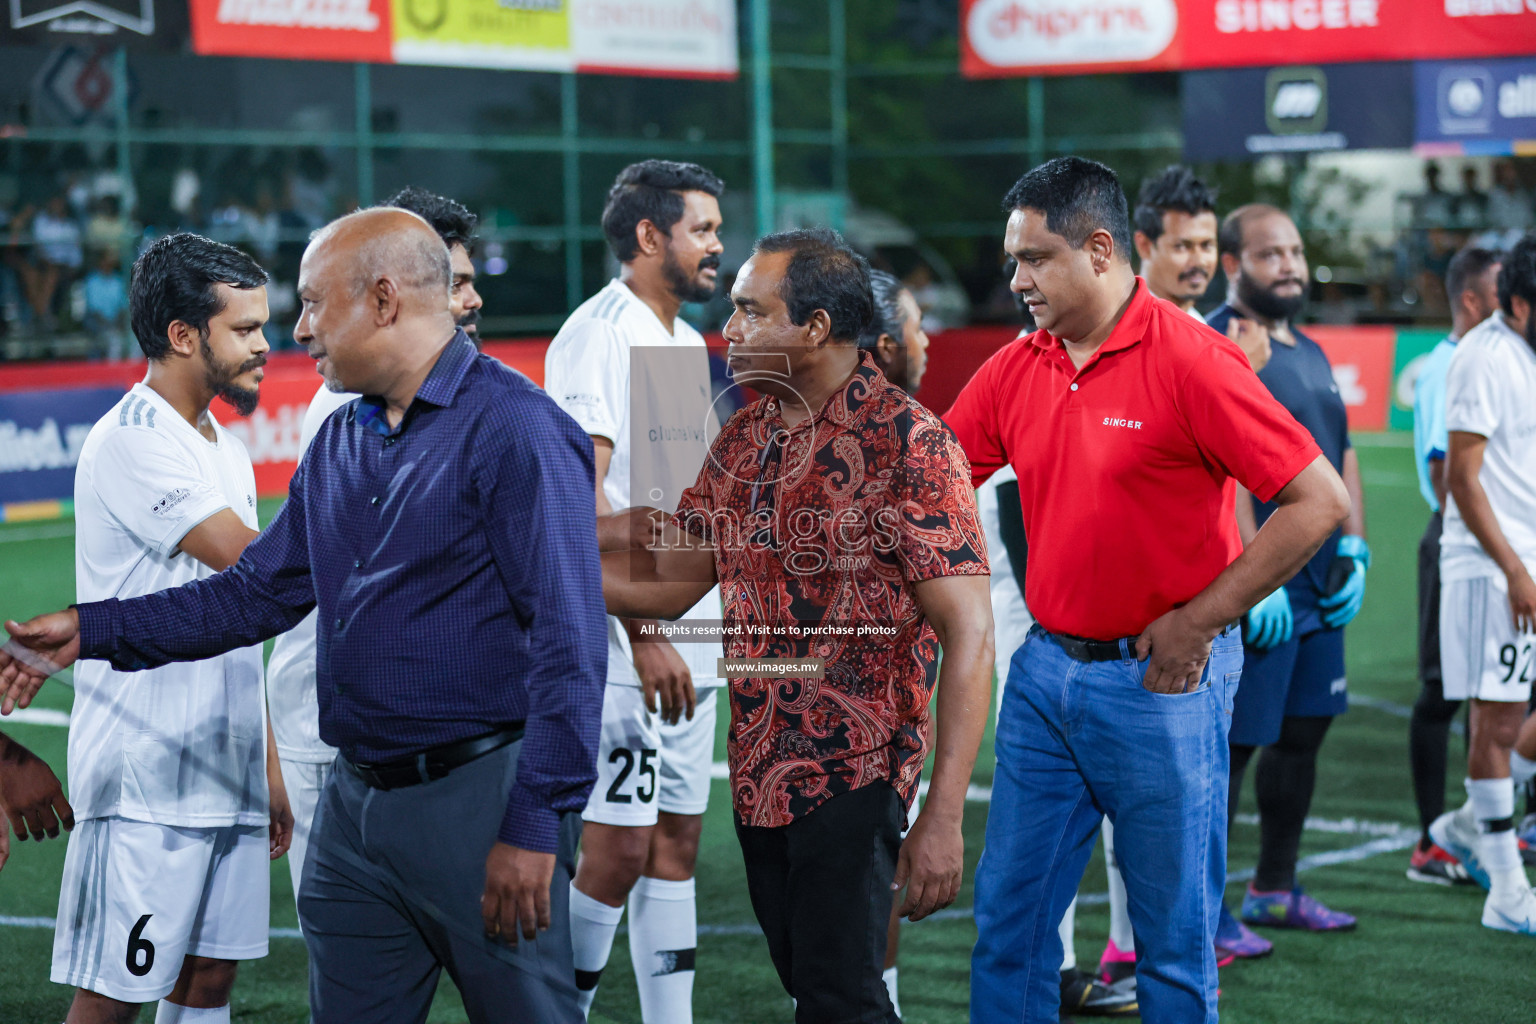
[(1341, 606), (1269, 622)]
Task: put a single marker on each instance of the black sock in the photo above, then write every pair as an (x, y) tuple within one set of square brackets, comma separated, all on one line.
[(1429, 733), (1283, 782), (1240, 758)]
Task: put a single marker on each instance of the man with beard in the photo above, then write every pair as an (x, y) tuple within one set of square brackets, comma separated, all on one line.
[(641, 829), (306, 759), (1175, 221), (1294, 682), (166, 877), (1488, 600)]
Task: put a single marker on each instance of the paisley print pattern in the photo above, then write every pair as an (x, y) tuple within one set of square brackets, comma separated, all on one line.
[(819, 532)]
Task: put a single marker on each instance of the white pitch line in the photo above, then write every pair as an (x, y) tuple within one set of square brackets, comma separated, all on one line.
[(54, 531), (38, 716)]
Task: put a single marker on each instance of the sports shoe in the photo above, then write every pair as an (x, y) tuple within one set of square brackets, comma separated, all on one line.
[(1083, 995), (1234, 940), (1294, 909), (1116, 964), (1437, 867), (1460, 842), (1512, 912), (1526, 835)]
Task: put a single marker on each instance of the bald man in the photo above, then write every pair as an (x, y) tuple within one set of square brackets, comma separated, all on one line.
[(443, 527)]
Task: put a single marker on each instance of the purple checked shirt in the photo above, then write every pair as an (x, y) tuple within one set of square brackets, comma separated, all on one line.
[(454, 563)]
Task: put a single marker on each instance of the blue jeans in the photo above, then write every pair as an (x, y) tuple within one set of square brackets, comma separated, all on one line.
[(1077, 741)]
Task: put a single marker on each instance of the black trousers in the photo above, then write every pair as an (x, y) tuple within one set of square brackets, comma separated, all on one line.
[(821, 890)]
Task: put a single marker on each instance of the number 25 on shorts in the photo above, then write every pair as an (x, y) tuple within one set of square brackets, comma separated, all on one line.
[(647, 772)]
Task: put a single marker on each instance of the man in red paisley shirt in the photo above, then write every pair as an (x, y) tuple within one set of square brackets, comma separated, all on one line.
[(838, 517)]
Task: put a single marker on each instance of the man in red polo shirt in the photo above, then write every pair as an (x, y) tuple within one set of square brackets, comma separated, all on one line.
[(1123, 419), (838, 516)]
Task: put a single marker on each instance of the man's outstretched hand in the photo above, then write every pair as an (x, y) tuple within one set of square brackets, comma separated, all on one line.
[(37, 649), (31, 799)]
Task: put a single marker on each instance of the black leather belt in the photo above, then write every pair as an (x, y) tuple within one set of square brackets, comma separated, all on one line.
[(431, 764), (1082, 649)]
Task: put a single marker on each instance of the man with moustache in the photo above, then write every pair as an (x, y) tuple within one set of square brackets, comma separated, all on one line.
[(838, 518), (307, 760), (1175, 220), (1294, 682), (442, 525), (635, 375), (1471, 286), (166, 876), (1117, 703)]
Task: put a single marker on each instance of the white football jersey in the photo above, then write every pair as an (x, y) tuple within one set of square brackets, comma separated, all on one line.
[(184, 744), (292, 698), (590, 370), (1491, 390)]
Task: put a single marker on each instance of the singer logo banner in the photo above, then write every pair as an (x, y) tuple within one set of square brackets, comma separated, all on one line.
[(1054, 37)]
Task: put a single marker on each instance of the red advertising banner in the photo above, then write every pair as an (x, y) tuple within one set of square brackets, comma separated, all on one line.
[(1001, 38), (1362, 368), (352, 30)]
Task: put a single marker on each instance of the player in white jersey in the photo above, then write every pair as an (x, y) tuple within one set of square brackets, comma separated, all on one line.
[(636, 377), (306, 758), (1488, 598), (165, 877)]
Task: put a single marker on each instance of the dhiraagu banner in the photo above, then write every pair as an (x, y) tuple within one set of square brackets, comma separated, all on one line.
[(1412, 347), (531, 35)]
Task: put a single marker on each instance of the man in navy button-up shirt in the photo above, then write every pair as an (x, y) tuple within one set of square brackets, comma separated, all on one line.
[(444, 527)]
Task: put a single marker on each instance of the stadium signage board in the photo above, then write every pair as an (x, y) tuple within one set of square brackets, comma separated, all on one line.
[(1244, 113), (95, 22), (1000, 38), (1475, 107), (671, 38)]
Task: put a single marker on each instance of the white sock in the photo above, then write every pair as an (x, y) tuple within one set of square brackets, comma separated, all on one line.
[(663, 940), (1493, 802), (1119, 907), (1068, 932), (592, 926), (1521, 771), (174, 1013), (889, 977)]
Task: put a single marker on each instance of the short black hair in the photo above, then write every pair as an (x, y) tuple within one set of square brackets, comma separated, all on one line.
[(1467, 266), (824, 272), (176, 279), (1176, 188), (885, 289), (1229, 239), (1518, 275), (452, 220), (1078, 197), (651, 190)]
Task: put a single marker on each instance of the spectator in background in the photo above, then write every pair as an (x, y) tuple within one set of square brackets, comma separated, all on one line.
[(108, 227), (106, 306), (55, 258), (1471, 208), (1510, 212)]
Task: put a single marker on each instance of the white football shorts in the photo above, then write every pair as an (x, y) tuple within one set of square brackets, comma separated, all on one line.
[(1481, 655), (645, 766), (136, 898)]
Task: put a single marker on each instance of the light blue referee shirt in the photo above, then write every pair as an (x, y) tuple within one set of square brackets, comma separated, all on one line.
[(1430, 439)]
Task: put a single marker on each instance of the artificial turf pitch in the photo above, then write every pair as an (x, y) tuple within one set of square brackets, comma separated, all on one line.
[(1419, 954)]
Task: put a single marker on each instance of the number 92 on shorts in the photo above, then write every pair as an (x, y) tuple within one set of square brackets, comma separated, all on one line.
[(1481, 655)]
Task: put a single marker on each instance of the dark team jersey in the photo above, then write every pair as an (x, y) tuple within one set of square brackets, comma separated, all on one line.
[(1301, 379)]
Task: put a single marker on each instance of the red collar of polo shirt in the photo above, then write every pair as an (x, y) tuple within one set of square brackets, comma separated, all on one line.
[(842, 407), (1130, 330)]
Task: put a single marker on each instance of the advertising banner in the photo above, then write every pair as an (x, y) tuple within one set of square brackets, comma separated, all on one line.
[(1475, 107), (41, 434), (161, 23), (1412, 348), (669, 38), (1362, 369), (1247, 112), (1054, 37)]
